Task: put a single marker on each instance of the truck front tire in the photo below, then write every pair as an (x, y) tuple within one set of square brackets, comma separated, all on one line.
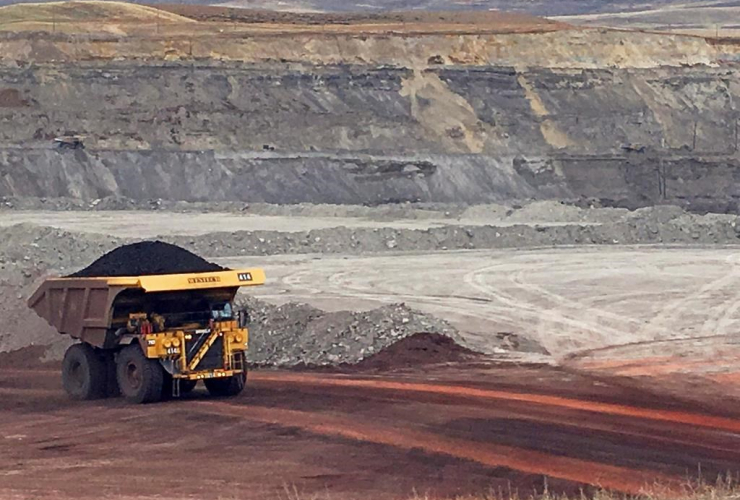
[(226, 387), (139, 378), (84, 374)]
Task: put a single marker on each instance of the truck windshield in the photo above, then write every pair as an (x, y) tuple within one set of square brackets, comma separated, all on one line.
[(222, 311)]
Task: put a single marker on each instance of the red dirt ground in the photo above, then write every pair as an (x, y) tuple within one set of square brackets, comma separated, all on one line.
[(445, 430)]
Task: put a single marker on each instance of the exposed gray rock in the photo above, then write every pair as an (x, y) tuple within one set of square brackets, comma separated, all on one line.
[(298, 334)]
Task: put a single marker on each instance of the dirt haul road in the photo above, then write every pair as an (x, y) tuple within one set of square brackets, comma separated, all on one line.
[(359, 436)]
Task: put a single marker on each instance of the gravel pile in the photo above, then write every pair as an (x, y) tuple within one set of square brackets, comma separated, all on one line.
[(298, 334), (36, 249), (147, 258), (27, 254), (646, 228)]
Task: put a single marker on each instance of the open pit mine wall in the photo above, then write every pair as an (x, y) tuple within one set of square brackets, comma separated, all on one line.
[(561, 48), (365, 134)]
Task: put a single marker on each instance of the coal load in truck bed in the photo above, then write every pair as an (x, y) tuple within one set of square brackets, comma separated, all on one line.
[(147, 258)]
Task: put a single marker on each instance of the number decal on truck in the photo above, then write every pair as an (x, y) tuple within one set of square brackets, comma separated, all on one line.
[(245, 276)]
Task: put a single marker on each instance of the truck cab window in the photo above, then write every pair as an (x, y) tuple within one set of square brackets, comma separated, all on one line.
[(222, 311)]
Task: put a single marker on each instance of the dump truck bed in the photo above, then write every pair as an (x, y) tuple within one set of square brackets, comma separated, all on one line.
[(83, 307)]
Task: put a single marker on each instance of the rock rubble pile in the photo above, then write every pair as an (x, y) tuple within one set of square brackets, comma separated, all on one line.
[(300, 335)]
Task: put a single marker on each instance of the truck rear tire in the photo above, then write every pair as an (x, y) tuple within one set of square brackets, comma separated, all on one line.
[(226, 387), (84, 374), (139, 378)]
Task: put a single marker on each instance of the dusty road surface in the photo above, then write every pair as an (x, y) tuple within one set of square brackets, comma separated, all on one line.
[(568, 299), (451, 430)]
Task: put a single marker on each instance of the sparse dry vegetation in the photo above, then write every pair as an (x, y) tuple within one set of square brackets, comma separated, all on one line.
[(724, 488)]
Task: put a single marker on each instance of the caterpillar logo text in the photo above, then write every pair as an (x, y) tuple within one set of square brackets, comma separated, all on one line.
[(209, 279)]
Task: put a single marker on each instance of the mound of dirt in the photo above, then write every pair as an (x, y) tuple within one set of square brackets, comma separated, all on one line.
[(293, 335), (147, 258), (417, 350)]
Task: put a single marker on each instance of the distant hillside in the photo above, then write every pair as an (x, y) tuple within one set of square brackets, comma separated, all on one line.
[(89, 16), (699, 17), (83, 10), (536, 7)]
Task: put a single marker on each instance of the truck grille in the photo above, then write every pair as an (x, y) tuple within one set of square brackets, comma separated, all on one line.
[(213, 358)]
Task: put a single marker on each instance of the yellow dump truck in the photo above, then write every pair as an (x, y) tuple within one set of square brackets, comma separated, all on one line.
[(150, 337)]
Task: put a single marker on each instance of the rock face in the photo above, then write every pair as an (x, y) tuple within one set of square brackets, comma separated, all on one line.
[(454, 112), (544, 44), (370, 135), (697, 183), (494, 111)]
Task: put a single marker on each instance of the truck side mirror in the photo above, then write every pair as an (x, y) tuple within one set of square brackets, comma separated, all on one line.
[(243, 318)]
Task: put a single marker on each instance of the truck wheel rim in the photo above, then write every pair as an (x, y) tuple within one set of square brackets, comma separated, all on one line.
[(133, 375)]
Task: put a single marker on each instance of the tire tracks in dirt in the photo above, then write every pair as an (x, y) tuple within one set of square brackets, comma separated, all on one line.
[(492, 455), (548, 320), (719, 444), (574, 439), (669, 416), (490, 292), (480, 401), (673, 309)]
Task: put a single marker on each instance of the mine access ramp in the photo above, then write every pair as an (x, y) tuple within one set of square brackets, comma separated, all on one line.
[(150, 337)]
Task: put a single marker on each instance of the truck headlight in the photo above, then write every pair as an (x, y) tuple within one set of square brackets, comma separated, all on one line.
[(176, 342), (167, 343), (238, 338)]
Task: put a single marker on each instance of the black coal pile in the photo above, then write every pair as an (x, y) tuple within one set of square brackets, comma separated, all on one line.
[(147, 258)]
